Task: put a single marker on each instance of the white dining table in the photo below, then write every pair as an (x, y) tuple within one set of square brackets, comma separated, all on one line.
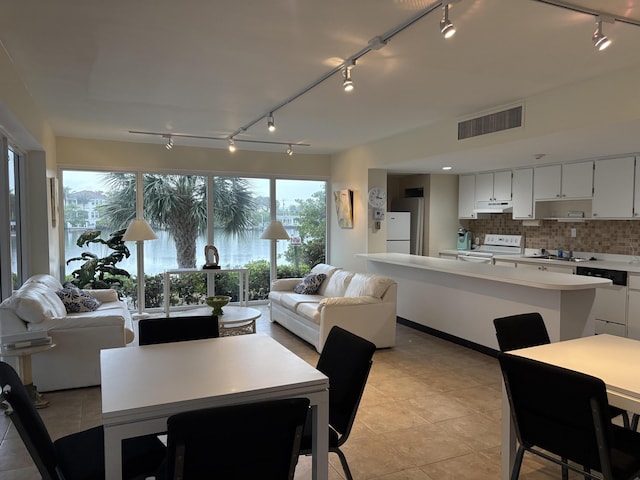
[(611, 358), (142, 386)]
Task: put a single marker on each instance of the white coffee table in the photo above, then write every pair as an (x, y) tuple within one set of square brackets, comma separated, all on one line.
[(237, 320)]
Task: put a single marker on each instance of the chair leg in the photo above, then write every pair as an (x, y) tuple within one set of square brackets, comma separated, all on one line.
[(634, 421), (625, 420), (517, 463), (343, 461)]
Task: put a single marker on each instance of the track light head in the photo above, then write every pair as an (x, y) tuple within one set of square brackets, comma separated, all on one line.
[(232, 145), (446, 26), (290, 150), (347, 83), (600, 40), (169, 144), (271, 124)]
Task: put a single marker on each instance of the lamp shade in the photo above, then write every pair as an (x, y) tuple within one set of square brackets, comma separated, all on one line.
[(275, 231), (139, 230)]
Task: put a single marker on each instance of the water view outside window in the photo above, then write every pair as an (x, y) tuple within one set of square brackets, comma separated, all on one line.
[(176, 207)]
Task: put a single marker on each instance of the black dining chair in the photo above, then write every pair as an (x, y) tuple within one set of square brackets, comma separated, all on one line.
[(563, 416), (79, 456), (246, 441), (346, 359), (528, 330), (177, 329)]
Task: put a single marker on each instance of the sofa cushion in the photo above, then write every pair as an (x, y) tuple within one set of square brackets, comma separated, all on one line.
[(106, 295), (75, 300), (47, 280), (35, 302), (309, 284), (362, 285), (310, 311), (328, 270), (337, 284), (293, 300)]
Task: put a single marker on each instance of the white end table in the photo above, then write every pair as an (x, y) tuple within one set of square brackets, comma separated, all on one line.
[(237, 320), (23, 356)]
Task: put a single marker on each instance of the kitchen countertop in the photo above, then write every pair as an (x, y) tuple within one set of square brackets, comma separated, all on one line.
[(623, 263), (497, 273)]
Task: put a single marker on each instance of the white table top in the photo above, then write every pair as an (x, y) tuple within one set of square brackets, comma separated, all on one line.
[(505, 274), (608, 357), (158, 380), (232, 314)]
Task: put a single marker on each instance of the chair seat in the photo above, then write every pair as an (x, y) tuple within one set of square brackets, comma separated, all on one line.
[(625, 465), (81, 455)]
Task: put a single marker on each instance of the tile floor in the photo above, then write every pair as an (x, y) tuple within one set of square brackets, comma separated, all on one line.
[(431, 411)]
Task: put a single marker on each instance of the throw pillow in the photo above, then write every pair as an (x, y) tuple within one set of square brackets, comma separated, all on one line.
[(310, 284), (75, 300)]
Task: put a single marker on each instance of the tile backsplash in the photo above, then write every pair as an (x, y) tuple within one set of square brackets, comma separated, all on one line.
[(621, 237)]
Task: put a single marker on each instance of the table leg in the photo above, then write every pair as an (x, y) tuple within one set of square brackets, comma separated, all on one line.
[(320, 445), (508, 448), (24, 372)]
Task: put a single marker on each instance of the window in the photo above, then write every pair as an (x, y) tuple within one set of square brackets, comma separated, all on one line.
[(10, 230), (188, 212)]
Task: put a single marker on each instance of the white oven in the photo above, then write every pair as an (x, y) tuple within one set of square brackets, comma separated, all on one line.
[(494, 244)]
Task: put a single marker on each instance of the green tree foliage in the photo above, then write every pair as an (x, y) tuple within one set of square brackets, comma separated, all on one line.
[(312, 230), (178, 204)]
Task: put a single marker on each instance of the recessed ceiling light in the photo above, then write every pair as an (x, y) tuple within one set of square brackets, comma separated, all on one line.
[(447, 168)]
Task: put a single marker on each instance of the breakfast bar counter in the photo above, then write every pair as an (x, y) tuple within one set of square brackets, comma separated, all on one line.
[(461, 299)]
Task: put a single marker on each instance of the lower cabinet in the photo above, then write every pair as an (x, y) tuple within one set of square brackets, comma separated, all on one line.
[(610, 308), (633, 313), (547, 268)]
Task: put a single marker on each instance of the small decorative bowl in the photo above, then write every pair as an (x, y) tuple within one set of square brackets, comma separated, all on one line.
[(217, 302)]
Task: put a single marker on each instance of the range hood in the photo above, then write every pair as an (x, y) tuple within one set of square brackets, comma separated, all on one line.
[(493, 207)]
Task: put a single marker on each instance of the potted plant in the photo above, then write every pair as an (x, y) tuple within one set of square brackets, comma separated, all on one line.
[(100, 273)]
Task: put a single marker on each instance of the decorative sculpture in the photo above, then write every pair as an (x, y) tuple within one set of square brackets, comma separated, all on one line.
[(211, 257)]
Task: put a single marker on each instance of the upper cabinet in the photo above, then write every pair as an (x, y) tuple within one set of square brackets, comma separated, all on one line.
[(493, 186), (613, 188), (561, 182), (523, 193), (466, 196)]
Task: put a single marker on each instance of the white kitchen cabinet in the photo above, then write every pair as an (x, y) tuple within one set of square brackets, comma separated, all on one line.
[(610, 310), (504, 263), (562, 182), (636, 193), (613, 181), (523, 193), (466, 196), (633, 306), (493, 186)]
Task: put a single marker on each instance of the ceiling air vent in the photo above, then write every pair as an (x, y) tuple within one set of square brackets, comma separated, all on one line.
[(494, 122)]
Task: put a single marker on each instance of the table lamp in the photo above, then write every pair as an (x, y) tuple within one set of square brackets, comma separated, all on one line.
[(274, 232), (138, 231)]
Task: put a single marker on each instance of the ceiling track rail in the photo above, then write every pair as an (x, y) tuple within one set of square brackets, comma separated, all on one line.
[(588, 11)]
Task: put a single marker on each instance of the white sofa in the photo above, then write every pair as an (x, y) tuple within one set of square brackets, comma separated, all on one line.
[(364, 304), (75, 360)]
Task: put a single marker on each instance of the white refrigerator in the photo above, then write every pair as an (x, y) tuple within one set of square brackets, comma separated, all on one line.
[(398, 232)]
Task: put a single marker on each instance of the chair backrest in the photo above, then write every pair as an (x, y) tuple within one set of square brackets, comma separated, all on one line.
[(28, 423), (520, 331), (251, 440), (177, 329), (346, 360), (558, 410)]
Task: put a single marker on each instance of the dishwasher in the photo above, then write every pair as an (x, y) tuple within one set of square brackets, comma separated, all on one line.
[(610, 305)]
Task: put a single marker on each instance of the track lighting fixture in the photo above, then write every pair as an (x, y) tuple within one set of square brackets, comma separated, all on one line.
[(600, 40), (446, 27), (169, 144), (232, 145), (290, 150), (271, 125), (347, 83)]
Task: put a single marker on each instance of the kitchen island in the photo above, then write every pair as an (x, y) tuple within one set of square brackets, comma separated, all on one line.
[(460, 300)]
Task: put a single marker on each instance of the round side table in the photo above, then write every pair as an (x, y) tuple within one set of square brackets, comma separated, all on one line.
[(23, 356), (237, 320)]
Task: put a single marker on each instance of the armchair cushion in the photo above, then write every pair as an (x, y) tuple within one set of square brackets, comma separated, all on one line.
[(309, 284)]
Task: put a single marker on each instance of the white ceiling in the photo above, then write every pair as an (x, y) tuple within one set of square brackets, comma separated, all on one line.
[(203, 67)]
